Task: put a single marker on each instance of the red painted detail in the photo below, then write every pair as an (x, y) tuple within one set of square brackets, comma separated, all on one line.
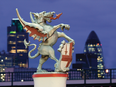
[(49, 75), (35, 37), (39, 38), (57, 17), (66, 50), (33, 30), (68, 57)]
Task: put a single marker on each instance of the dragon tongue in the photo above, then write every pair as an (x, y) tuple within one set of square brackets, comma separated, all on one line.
[(57, 17)]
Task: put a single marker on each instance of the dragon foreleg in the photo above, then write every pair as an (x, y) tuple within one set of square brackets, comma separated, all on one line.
[(62, 26), (61, 34)]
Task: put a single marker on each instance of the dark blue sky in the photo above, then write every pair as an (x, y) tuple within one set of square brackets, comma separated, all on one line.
[(83, 16)]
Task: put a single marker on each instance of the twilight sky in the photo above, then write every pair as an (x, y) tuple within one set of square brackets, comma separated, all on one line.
[(83, 16)]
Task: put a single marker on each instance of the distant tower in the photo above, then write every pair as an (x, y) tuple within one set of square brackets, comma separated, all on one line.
[(15, 45), (94, 46)]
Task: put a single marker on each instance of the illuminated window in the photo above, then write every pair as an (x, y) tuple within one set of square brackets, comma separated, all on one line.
[(98, 71), (101, 60), (20, 41), (78, 69), (20, 54), (100, 66), (98, 74), (13, 47), (5, 58), (93, 49), (98, 59), (97, 43), (12, 32), (80, 59), (90, 49), (91, 45), (102, 73), (13, 51), (17, 36), (22, 65), (99, 49), (12, 42), (21, 51), (12, 35)]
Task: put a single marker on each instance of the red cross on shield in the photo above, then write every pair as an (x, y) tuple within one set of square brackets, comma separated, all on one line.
[(66, 56)]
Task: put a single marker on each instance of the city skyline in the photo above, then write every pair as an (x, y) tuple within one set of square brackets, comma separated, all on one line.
[(82, 16)]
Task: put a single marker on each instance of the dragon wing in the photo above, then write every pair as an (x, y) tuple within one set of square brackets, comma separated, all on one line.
[(35, 30)]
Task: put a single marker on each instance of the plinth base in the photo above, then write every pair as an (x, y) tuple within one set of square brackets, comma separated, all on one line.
[(50, 79)]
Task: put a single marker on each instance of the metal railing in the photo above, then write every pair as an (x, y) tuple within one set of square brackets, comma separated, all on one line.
[(73, 75), (86, 74)]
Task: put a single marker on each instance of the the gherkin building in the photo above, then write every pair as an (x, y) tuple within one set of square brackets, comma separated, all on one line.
[(93, 46)]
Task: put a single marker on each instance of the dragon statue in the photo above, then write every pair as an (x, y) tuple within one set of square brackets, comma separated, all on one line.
[(46, 33)]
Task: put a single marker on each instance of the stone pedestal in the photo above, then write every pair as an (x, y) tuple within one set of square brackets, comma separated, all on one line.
[(53, 79)]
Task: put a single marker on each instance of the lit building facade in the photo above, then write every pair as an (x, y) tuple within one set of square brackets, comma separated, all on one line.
[(92, 58), (15, 44), (93, 46), (85, 61), (5, 60)]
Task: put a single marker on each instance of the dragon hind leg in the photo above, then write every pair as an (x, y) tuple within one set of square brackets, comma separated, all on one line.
[(41, 61)]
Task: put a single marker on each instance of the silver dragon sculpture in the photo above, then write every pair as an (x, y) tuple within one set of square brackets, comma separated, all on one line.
[(40, 30)]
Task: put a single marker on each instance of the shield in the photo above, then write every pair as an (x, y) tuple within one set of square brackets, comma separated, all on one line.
[(66, 57)]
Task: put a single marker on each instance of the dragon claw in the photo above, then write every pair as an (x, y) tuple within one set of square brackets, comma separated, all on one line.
[(67, 27), (62, 28)]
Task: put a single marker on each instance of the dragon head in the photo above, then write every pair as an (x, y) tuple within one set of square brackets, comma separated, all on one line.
[(45, 16)]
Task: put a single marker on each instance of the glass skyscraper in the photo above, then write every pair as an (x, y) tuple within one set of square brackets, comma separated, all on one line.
[(15, 44), (93, 46), (92, 57)]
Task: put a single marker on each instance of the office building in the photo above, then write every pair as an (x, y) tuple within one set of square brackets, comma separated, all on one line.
[(15, 44), (5, 60), (93, 46), (92, 58), (85, 61)]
